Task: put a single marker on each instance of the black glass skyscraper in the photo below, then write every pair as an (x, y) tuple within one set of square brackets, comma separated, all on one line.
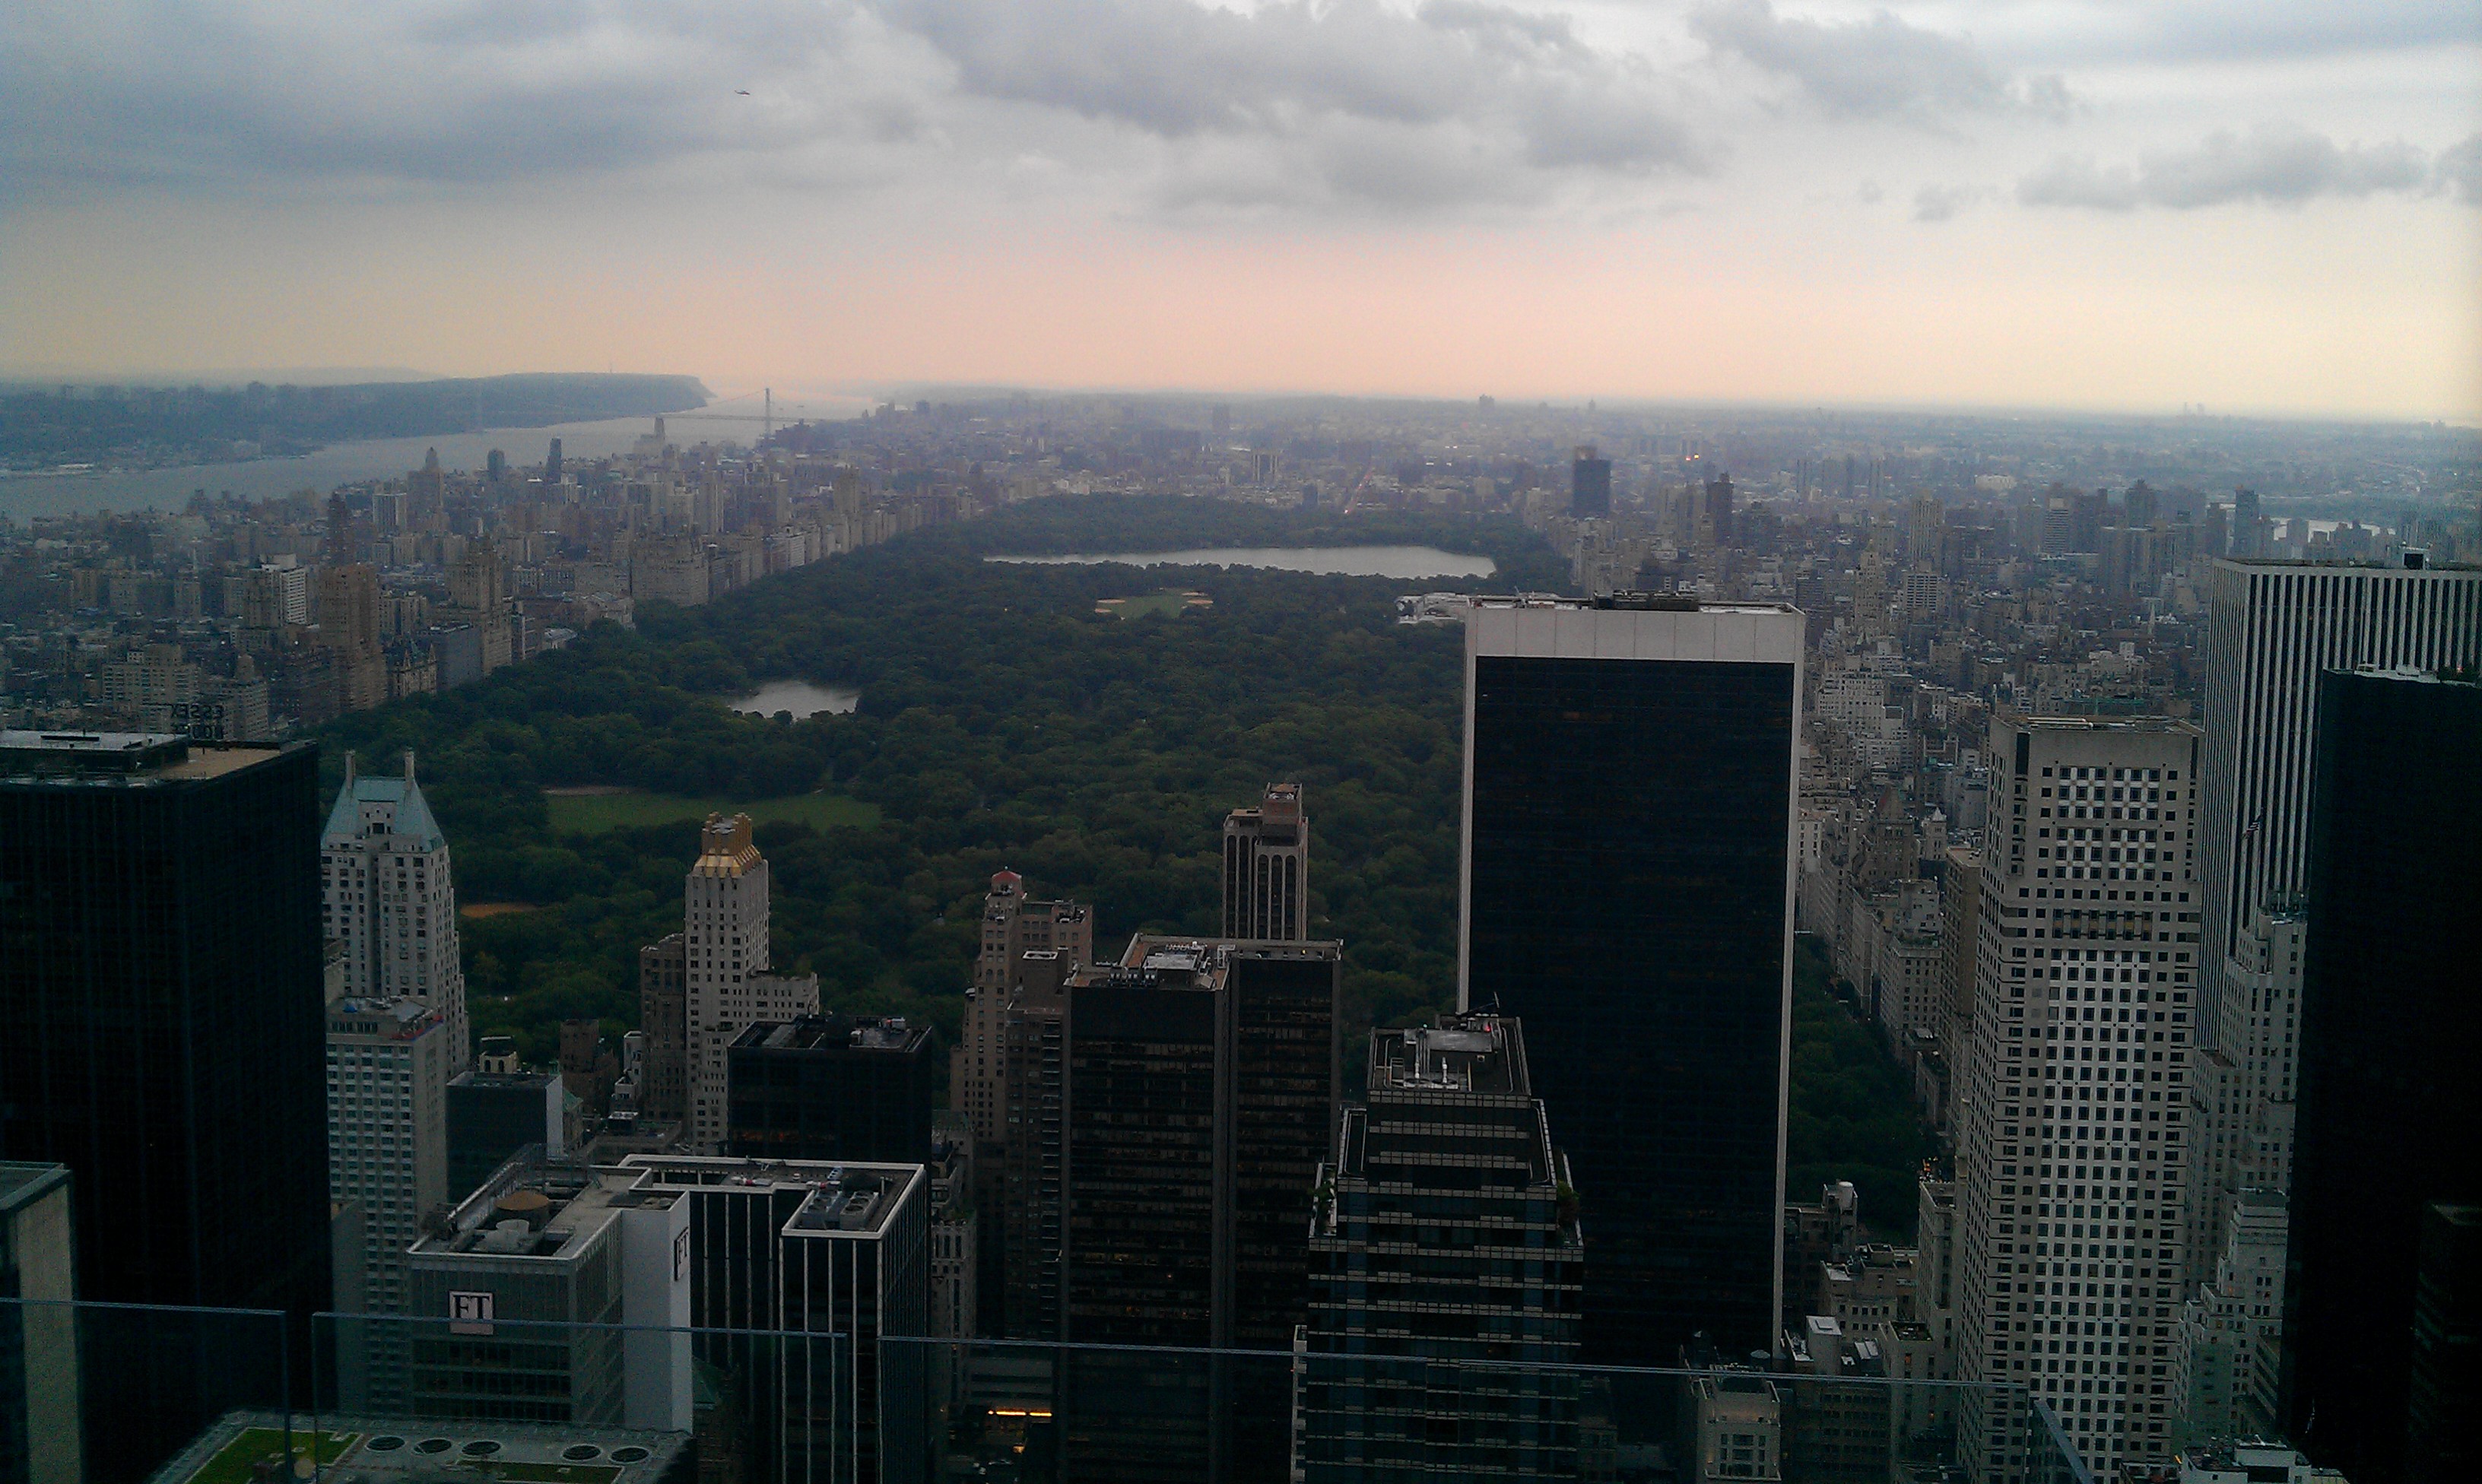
[(830, 1087), (1590, 484), (163, 1033), (2388, 1123), (1627, 892), (160, 986)]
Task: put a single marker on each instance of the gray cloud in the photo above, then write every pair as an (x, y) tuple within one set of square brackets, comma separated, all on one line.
[(1460, 100), (2459, 170), (1510, 83), (1879, 67), (1942, 203), (2269, 164), (2240, 30), (460, 92)]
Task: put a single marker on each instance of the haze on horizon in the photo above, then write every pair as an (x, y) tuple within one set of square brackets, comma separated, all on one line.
[(2084, 204)]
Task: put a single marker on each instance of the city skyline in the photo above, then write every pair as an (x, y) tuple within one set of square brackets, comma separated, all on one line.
[(1771, 786)]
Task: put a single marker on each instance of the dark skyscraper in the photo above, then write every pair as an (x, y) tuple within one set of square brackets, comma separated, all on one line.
[(830, 1087), (1719, 508), (161, 986), (1201, 1094), (163, 1033), (1450, 1125), (1590, 484), (1628, 893), (2387, 1121)]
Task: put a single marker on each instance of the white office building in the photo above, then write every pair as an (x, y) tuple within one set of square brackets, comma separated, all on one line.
[(2272, 629), (724, 966), (387, 1157), (2072, 1141), (2224, 1373), (388, 899)]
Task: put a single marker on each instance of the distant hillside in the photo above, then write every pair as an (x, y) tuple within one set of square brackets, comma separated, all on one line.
[(156, 425)]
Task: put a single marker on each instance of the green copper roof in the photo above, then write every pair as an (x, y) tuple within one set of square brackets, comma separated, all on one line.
[(410, 815)]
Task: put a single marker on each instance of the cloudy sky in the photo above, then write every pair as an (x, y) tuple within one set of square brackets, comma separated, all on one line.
[(2256, 205)]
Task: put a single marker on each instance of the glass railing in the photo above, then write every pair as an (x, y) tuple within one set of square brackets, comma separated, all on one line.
[(113, 1394)]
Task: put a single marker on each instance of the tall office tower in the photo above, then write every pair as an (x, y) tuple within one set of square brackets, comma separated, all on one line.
[(1199, 1090), (491, 1116), (1719, 509), (2224, 1369), (551, 463), (955, 1248), (2069, 1158), (2446, 1371), (726, 985), (1590, 484), (384, 864), (348, 626), (40, 1424), (1029, 1153), (664, 1017), (1267, 868), (2388, 1122), (1628, 872), (836, 1251), (1140, 1247), (831, 1088), (1280, 1098), (161, 982), (161, 925), (1960, 946), (2246, 540), (1451, 1125), (1014, 924), (1019, 934), (2272, 629), (2241, 1092), (388, 1153)]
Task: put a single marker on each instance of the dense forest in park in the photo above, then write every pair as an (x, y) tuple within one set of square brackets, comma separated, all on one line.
[(1003, 723)]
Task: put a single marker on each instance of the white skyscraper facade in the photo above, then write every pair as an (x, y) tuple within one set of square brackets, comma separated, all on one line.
[(388, 899), (388, 1153), (2273, 628), (725, 956), (2070, 1148), (2225, 1369)]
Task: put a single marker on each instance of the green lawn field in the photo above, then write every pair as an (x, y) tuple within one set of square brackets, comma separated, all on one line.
[(233, 1464), (1163, 601), (594, 813)]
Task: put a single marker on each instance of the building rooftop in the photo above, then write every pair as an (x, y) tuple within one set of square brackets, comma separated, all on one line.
[(534, 1080), (1626, 602), (830, 1033), (1462, 1053), (370, 797), (388, 1020), (533, 1208), (386, 1450), (22, 1180), (844, 1199), (118, 757), (2106, 724), (724, 847), (1205, 960)]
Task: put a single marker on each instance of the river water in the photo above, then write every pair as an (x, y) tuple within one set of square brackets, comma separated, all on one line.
[(1407, 562), (799, 697), (25, 495)]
